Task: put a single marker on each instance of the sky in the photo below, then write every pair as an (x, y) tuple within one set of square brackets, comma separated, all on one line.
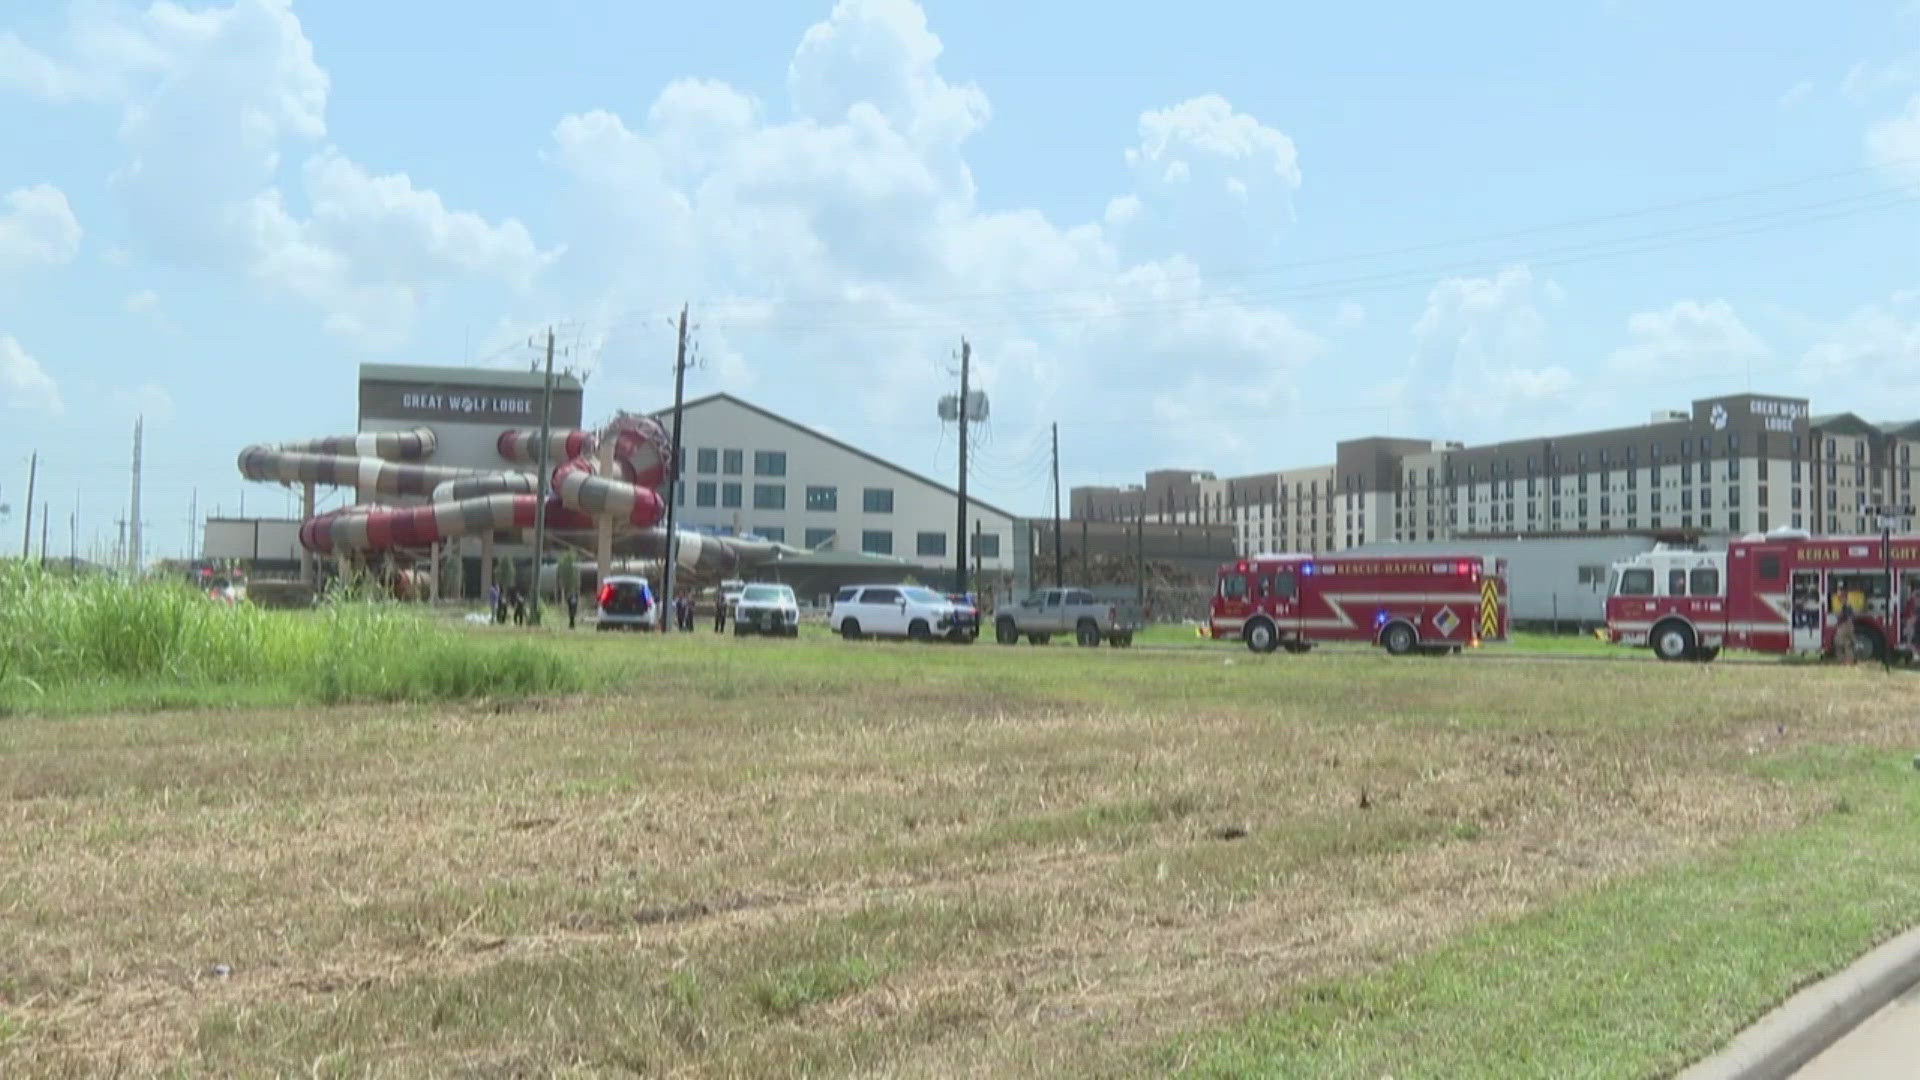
[(1221, 241)]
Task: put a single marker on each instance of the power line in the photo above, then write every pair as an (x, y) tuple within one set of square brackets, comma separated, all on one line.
[(1467, 241), (1359, 285)]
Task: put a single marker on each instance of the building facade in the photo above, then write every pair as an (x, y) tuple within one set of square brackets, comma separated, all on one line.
[(750, 471), (1729, 466), (466, 408)]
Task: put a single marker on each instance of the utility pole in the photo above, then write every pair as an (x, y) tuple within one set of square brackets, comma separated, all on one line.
[(960, 530), (134, 548), (669, 571), (1889, 515), (1140, 561), (540, 507), (1059, 561), (33, 473)]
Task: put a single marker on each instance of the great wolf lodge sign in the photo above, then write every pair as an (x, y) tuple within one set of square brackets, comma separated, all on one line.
[(467, 404), (1776, 414)]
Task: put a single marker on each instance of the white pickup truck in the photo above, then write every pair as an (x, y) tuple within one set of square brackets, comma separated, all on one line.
[(1067, 611)]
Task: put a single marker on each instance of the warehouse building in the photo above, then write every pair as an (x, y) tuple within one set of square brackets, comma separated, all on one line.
[(750, 471)]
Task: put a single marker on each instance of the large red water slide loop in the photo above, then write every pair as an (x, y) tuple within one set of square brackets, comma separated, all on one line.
[(461, 501)]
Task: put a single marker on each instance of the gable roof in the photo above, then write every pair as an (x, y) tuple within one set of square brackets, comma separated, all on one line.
[(667, 415), (1845, 423)]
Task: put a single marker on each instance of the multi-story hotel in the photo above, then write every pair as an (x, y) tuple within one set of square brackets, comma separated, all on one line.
[(1732, 465)]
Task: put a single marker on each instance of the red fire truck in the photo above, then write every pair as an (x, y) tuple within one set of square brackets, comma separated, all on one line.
[(1781, 593), (1404, 604)]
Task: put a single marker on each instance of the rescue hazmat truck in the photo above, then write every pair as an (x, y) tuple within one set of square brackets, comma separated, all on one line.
[(1429, 604)]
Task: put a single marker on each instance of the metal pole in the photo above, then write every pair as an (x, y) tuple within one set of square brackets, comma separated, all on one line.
[(1059, 564), (1893, 593), (26, 539), (669, 571), (136, 546), (540, 507), (960, 529), (1140, 562)]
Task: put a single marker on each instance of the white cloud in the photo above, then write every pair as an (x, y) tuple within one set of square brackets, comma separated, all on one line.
[(1688, 338), (1349, 316), (1893, 144), (37, 228), (211, 99), (1797, 94), (1204, 137), (1865, 81), (149, 401), (1481, 353), (145, 303), (880, 55), (1876, 346), (26, 384), (847, 241), (1210, 180)]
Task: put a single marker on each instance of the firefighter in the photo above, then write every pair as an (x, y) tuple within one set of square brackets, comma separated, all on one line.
[(1843, 635), (1910, 616)]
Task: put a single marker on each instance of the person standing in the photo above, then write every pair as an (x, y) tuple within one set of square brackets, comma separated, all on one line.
[(719, 611), (1843, 632), (573, 606)]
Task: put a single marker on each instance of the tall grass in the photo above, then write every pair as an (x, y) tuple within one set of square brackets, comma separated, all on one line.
[(59, 635)]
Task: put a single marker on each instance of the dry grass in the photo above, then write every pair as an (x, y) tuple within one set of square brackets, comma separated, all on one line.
[(823, 858)]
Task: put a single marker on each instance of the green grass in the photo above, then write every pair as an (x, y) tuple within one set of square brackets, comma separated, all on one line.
[(754, 857), (1637, 979), (78, 644)]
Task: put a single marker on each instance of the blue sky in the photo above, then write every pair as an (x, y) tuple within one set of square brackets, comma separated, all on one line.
[(1221, 240)]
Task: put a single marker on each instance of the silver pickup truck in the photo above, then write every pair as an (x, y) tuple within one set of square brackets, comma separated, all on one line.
[(1067, 611)]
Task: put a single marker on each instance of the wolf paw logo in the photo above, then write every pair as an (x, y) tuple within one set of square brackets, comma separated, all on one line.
[(1718, 417)]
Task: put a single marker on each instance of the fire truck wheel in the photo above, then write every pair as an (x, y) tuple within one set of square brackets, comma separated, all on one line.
[(1867, 645), (1398, 639), (1673, 641), (1261, 636), (1088, 634)]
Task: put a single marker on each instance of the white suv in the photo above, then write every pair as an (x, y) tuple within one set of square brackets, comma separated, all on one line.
[(907, 611)]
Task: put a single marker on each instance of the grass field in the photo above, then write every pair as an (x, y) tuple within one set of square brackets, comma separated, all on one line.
[(746, 858)]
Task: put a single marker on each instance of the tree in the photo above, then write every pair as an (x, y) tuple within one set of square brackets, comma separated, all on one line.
[(567, 581), (504, 575)]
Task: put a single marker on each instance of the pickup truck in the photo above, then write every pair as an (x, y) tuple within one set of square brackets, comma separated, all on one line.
[(1067, 611)]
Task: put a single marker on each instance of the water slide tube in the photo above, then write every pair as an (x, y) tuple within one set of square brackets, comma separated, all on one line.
[(460, 501)]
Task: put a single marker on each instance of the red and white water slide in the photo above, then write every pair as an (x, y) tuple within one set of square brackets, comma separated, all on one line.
[(459, 501)]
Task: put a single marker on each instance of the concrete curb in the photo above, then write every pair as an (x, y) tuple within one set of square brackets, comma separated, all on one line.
[(1816, 1017)]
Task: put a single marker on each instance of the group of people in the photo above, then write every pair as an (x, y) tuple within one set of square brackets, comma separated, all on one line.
[(1845, 635), (509, 601)]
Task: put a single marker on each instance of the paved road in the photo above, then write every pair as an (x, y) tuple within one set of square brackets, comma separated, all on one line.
[(1886, 1047)]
